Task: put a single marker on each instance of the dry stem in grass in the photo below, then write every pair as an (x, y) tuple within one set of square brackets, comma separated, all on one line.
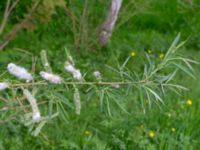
[(8, 10), (25, 23)]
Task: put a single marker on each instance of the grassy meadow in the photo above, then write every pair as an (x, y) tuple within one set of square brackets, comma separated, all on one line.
[(143, 28)]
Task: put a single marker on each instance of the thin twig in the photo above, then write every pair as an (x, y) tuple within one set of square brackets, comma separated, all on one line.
[(18, 26), (30, 54), (7, 12), (5, 108), (4, 99)]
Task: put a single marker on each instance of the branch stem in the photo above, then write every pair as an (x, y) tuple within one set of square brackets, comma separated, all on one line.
[(40, 83)]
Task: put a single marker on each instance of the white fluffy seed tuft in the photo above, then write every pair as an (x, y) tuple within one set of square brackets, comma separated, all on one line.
[(97, 75), (69, 67), (3, 86), (75, 72), (36, 117), (77, 75), (19, 72), (52, 78)]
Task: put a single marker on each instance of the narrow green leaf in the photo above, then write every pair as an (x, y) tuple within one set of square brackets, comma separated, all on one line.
[(108, 107), (155, 95), (184, 69), (174, 43)]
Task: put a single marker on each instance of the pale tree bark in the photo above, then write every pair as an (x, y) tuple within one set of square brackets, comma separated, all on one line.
[(108, 25)]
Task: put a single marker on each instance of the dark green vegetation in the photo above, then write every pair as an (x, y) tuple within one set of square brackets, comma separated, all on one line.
[(153, 27)]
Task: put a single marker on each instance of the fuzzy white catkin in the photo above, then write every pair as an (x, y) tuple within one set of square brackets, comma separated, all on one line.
[(115, 86), (77, 101), (36, 113), (52, 78), (3, 86), (36, 116), (75, 72), (97, 75), (19, 72), (77, 75), (69, 67)]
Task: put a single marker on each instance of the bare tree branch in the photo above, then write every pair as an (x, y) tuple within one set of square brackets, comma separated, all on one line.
[(7, 12), (18, 27)]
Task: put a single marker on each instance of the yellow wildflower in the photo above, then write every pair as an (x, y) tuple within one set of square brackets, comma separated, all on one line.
[(161, 55), (87, 132), (173, 129), (133, 54), (149, 51), (189, 102), (152, 134)]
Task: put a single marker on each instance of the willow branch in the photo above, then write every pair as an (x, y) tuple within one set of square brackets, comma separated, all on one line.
[(43, 83)]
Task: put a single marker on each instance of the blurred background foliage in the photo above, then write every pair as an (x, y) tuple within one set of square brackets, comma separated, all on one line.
[(142, 26)]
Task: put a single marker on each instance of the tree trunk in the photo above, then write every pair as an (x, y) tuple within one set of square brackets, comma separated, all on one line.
[(108, 25)]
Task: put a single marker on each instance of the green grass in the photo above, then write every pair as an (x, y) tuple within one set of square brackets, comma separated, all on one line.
[(154, 29)]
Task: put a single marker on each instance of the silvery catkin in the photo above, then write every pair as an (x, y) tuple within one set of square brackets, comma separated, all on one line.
[(36, 113), (19, 72), (52, 78), (3, 86)]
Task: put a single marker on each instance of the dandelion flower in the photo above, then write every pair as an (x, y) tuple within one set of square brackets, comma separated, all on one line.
[(149, 51), (189, 102), (152, 134), (52, 78), (161, 55), (3, 86), (133, 54), (87, 132), (173, 129), (141, 126), (19, 72)]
